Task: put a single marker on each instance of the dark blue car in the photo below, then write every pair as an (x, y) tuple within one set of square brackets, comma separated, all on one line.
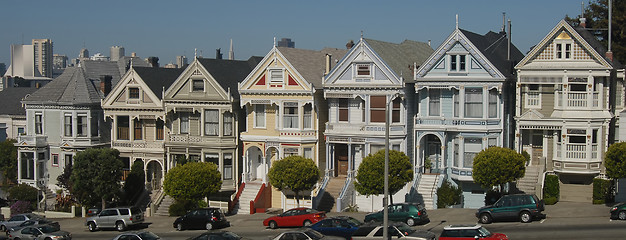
[(341, 226)]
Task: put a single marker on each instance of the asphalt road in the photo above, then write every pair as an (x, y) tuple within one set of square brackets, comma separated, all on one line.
[(563, 221)]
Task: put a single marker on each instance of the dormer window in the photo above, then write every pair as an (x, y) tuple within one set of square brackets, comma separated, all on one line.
[(458, 62), (563, 50), (363, 70), (197, 85), (133, 93), (276, 76)]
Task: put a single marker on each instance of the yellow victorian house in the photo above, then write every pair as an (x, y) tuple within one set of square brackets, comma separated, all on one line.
[(286, 113)]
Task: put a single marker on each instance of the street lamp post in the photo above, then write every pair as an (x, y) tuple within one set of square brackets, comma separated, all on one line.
[(386, 188)]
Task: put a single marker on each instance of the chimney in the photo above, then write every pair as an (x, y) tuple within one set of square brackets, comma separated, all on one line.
[(153, 61), (133, 54), (609, 55), (328, 62), (105, 84), (350, 44), (218, 54), (583, 22)]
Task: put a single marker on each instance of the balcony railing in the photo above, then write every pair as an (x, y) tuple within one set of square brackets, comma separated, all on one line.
[(455, 121), (298, 133), (364, 128), (34, 141), (577, 100), (137, 144), (577, 151), (200, 139)]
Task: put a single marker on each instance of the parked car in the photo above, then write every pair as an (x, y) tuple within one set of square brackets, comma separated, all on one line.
[(618, 211), (119, 218), (217, 235), (341, 226), (39, 232), (469, 232), (36, 221), (295, 217), (304, 234), (410, 213), (139, 235), (524, 207), (374, 230), (201, 218), (16, 220)]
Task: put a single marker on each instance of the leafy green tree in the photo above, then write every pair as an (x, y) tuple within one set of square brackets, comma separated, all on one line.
[(615, 161), (192, 181), (135, 182), (63, 180), (295, 173), (496, 166), (370, 178), (448, 195), (96, 175), (8, 160)]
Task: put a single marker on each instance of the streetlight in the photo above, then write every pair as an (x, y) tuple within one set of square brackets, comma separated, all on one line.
[(386, 188)]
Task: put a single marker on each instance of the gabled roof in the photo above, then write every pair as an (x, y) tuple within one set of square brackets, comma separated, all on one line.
[(158, 79), (11, 100), (124, 63), (401, 57), (310, 63), (597, 45), (228, 73), (73, 87), (494, 47), (96, 69)]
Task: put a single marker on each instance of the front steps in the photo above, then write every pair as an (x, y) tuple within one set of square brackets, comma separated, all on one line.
[(164, 207), (427, 188), (530, 184), (331, 193), (250, 190)]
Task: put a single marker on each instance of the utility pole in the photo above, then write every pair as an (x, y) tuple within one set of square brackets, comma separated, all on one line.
[(386, 189)]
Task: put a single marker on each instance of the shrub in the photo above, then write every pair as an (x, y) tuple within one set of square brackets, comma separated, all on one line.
[(23, 192), (602, 191), (526, 156), (448, 195), (21, 207), (551, 189), (492, 196), (550, 200), (180, 207)]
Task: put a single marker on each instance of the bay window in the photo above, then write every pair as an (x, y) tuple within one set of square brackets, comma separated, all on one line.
[(434, 102), (377, 108), (123, 132), (474, 102), (307, 117), (211, 122), (228, 124), (259, 116), (290, 115)]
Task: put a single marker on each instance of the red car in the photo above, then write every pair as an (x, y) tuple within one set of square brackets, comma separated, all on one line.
[(469, 232), (295, 217)]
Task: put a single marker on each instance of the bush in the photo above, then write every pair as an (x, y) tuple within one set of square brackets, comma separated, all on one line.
[(492, 196), (526, 156), (21, 207), (23, 192), (551, 189), (180, 207), (602, 191), (448, 195)]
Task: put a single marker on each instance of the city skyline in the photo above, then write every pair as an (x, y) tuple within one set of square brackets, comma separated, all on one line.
[(166, 30)]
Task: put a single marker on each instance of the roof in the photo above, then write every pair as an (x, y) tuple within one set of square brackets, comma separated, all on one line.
[(11, 100), (401, 57), (228, 73), (596, 45), (73, 87), (158, 79), (310, 63), (494, 46)]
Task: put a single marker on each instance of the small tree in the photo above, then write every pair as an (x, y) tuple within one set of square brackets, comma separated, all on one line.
[(23, 192), (615, 161), (96, 175), (496, 166), (135, 182), (448, 195), (63, 180), (295, 173), (192, 181), (370, 178), (8, 160)]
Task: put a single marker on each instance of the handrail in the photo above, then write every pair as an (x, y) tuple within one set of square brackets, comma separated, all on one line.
[(232, 203), (261, 200), (320, 192), (343, 194)]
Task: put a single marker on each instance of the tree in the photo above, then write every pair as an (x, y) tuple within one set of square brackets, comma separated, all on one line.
[(96, 175), (295, 173), (8, 160), (63, 180), (192, 181), (370, 178), (596, 14), (135, 182), (496, 166), (23, 192), (615, 161), (448, 195)]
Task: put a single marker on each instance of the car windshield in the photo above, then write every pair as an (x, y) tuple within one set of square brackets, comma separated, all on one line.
[(484, 232), (231, 236), (314, 234), (148, 236), (404, 228), (47, 228), (354, 222)]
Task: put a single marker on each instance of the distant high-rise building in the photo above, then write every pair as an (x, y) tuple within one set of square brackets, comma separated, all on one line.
[(84, 53), (59, 61), (99, 57), (3, 68), (43, 56), (286, 42), (116, 53), (181, 61)]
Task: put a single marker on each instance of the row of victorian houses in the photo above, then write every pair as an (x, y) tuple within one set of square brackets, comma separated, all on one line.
[(560, 103)]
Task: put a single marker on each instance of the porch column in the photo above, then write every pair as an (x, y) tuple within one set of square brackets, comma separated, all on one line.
[(19, 165), (350, 159), (327, 170)]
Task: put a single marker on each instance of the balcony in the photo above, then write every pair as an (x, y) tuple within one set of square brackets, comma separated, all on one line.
[(200, 140), (577, 100), (138, 145), (439, 121), (33, 141), (578, 158), (364, 129), (298, 133)]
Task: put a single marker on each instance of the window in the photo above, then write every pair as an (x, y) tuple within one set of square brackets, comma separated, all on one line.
[(533, 96), (94, 124), (363, 70), (276, 76), (563, 50), (362, 110), (211, 122), (160, 135), (472, 147), (376, 148), (55, 160), (455, 99), (462, 62), (395, 111), (20, 131), (38, 123), (228, 124), (67, 125), (184, 122), (434, 102), (27, 160), (307, 117), (290, 152), (290, 115), (453, 62), (67, 158), (377, 108), (259, 116), (308, 153), (133, 93), (493, 103), (137, 129), (197, 85), (474, 102), (81, 126), (343, 109), (123, 131), (212, 158), (228, 166)]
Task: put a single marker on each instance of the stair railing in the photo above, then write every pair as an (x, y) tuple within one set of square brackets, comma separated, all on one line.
[(233, 202), (156, 201), (320, 192), (346, 196)]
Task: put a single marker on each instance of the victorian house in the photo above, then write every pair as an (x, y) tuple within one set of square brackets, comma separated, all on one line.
[(367, 80), (462, 92), (136, 110), (568, 92), (202, 118), (285, 114)]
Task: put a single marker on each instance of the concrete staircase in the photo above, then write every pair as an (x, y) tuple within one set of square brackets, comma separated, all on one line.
[(331, 193), (164, 207), (576, 193), (530, 184), (250, 190), (427, 188)]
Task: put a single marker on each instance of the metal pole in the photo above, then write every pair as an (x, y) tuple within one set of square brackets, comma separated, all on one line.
[(386, 192)]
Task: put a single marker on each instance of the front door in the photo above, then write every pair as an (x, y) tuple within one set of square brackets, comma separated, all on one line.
[(341, 157)]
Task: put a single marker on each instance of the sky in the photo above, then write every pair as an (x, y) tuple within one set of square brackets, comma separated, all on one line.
[(169, 28)]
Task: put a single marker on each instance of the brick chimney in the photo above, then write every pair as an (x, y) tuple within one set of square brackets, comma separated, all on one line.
[(609, 55), (350, 44), (583, 22), (105, 84)]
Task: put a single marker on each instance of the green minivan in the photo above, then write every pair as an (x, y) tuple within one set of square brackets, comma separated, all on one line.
[(524, 207), (409, 213)]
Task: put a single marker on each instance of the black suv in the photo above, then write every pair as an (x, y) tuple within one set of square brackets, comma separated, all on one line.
[(201, 218), (524, 207)]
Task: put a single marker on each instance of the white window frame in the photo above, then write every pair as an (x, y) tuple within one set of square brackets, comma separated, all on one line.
[(294, 118), (564, 53), (227, 169), (193, 85), (475, 102), (82, 125), (366, 66), (492, 105), (68, 125), (307, 116), (184, 123), (38, 121), (434, 98), (138, 93), (533, 96), (260, 116), (276, 76), (228, 123), (211, 123)]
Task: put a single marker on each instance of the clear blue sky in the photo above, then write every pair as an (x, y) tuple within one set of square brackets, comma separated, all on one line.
[(169, 28)]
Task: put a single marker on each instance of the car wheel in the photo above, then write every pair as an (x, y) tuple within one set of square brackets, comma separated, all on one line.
[(485, 218), (179, 227), (622, 215), (273, 225), (120, 226), (47, 239), (3, 228), (306, 223), (525, 217), (209, 226), (92, 226), (410, 221), (17, 238)]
